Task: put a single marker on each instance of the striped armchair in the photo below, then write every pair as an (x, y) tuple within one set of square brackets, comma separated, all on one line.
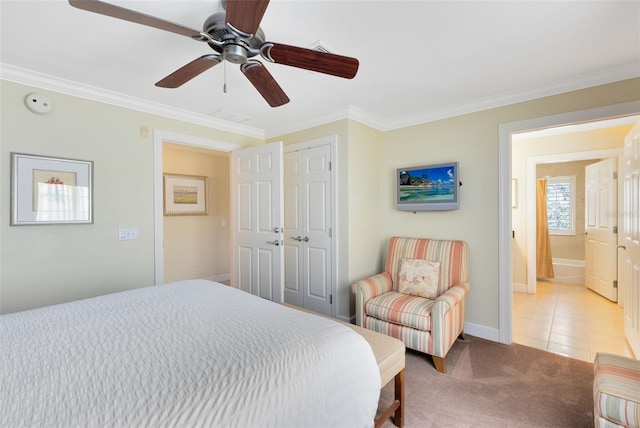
[(426, 325)]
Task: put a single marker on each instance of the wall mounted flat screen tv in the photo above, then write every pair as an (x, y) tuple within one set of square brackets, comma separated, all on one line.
[(428, 188)]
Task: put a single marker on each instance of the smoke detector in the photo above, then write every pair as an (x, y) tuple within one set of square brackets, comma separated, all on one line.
[(38, 103)]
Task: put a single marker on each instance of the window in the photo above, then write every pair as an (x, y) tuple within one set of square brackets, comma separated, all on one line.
[(561, 205)]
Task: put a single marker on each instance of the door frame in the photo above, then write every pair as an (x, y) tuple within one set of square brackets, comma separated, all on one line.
[(505, 131), (159, 138), (332, 141), (626, 268), (532, 163)]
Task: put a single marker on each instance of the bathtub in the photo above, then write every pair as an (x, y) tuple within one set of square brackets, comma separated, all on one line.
[(568, 271)]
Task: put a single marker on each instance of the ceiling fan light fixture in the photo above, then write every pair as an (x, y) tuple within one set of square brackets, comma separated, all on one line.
[(235, 53)]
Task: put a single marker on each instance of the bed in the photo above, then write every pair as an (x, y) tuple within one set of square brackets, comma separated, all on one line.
[(190, 353)]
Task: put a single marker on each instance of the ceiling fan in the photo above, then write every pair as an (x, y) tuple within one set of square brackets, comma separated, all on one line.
[(235, 36)]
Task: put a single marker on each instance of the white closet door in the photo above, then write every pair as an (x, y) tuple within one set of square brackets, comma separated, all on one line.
[(308, 229)]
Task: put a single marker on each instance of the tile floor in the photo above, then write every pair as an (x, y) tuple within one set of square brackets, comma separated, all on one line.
[(569, 319)]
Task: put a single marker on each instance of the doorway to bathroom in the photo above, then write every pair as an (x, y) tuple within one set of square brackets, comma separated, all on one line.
[(556, 311)]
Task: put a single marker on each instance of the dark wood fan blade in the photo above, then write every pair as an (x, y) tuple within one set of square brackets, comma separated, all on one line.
[(245, 15), (264, 82), (309, 59), (133, 16), (189, 71)]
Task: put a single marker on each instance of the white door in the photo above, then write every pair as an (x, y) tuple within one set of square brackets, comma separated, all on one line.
[(601, 228), (630, 239), (256, 220), (308, 229)]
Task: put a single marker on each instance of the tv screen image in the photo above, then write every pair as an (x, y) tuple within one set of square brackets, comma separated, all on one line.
[(428, 188)]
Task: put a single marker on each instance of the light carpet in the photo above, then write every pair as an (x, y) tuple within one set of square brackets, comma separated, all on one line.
[(494, 385)]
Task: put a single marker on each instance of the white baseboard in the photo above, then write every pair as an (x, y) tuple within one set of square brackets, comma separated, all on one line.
[(219, 278), (520, 287), (483, 332), (350, 320)]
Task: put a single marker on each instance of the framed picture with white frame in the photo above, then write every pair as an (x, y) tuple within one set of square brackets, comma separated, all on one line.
[(50, 190)]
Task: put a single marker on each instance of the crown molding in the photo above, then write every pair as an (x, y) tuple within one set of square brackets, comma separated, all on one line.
[(363, 117), (31, 78), (602, 77), (44, 81), (348, 112), (587, 80)]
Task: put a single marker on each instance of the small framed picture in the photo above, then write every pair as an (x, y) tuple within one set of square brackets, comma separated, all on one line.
[(185, 194), (50, 190)]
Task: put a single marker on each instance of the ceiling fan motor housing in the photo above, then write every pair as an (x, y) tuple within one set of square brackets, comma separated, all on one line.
[(233, 47)]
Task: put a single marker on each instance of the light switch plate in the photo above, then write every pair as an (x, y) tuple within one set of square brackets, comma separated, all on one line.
[(127, 234)]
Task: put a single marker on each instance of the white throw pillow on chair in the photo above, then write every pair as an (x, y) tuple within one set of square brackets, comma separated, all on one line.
[(419, 277)]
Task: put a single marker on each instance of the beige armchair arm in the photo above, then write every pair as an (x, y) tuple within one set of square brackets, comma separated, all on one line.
[(453, 295), (368, 288), (447, 318)]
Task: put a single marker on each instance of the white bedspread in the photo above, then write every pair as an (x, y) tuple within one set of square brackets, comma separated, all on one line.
[(192, 353)]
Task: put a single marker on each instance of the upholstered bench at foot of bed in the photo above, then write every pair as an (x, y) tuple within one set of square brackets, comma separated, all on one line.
[(616, 391), (390, 356)]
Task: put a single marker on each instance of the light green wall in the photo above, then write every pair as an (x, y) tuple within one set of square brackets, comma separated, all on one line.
[(473, 141), (365, 180), (367, 160), (48, 264)]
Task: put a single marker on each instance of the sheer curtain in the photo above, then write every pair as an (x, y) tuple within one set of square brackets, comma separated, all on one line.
[(543, 243)]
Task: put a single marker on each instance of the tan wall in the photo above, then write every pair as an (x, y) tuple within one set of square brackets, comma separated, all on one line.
[(43, 265), (198, 246)]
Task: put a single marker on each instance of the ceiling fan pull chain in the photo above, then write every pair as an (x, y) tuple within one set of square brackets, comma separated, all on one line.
[(224, 87)]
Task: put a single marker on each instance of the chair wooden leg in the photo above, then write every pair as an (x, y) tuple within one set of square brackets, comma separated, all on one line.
[(440, 364)]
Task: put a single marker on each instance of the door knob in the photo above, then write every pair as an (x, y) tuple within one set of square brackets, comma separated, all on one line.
[(305, 239), (297, 238), (275, 242)]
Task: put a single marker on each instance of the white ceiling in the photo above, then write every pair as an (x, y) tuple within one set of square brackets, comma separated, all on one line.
[(419, 60)]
